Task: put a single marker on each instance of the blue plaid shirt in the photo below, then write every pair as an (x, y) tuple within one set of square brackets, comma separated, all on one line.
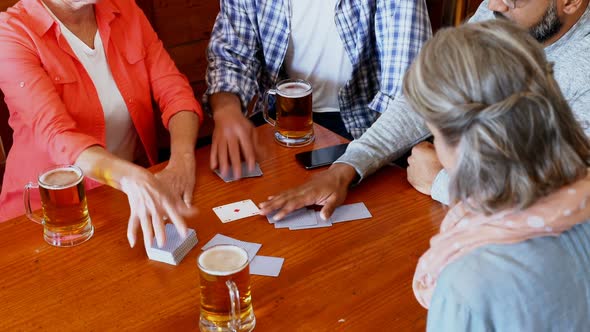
[(381, 37)]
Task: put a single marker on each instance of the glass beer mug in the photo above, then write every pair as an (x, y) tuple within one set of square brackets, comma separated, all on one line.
[(65, 220), (226, 302), (294, 117)]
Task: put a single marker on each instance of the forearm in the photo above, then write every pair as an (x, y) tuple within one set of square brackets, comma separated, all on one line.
[(104, 167), (184, 129), (394, 133), (224, 103)]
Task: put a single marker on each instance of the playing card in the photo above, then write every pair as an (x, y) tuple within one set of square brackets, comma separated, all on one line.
[(289, 215), (319, 223), (266, 266), (237, 210), (250, 247), (245, 173), (306, 218), (176, 246), (350, 212)]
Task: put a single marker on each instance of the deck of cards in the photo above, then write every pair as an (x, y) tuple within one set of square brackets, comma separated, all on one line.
[(308, 218), (245, 173), (176, 247)]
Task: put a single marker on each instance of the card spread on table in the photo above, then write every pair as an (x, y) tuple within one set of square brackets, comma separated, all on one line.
[(288, 216), (350, 212), (319, 223), (176, 246), (237, 210), (308, 218), (250, 247), (266, 266), (245, 173)]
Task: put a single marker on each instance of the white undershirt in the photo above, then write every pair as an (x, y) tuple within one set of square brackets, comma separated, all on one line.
[(316, 52), (121, 136)]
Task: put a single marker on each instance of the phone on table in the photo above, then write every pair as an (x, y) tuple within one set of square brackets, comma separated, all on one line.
[(321, 157)]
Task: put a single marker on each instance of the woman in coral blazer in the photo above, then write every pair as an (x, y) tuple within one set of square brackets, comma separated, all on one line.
[(78, 78)]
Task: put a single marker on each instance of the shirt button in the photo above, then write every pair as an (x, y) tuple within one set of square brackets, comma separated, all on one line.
[(131, 100), (57, 78), (21, 84)]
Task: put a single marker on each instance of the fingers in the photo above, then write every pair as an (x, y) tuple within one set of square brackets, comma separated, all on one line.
[(331, 204), (187, 193), (235, 159), (213, 163), (160, 229), (178, 221), (147, 230), (287, 202), (222, 158), (132, 227), (247, 146)]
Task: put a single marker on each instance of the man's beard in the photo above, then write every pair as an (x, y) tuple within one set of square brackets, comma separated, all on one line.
[(547, 27)]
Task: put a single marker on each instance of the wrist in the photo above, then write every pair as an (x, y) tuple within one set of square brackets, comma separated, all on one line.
[(182, 156), (344, 173), (228, 111)]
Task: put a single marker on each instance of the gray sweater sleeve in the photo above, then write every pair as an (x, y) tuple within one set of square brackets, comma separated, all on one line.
[(395, 132)]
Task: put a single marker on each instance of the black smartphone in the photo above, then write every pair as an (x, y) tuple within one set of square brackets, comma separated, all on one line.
[(321, 157)]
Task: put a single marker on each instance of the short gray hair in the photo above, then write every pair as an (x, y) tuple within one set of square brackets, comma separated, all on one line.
[(489, 90)]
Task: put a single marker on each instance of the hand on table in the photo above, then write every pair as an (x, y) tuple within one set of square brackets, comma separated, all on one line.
[(328, 188), (150, 202), (423, 166), (179, 176), (233, 137)]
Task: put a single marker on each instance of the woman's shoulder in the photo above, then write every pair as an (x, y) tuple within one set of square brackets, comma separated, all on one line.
[(514, 282)]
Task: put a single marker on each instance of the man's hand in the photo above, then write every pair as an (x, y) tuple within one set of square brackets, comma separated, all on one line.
[(233, 136), (423, 166), (328, 188), (179, 176)]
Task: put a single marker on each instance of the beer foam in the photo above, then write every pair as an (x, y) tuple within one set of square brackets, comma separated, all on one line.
[(223, 260), (60, 178), (294, 90)]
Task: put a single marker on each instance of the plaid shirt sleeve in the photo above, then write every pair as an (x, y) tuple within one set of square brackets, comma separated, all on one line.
[(401, 28), (233, 54)]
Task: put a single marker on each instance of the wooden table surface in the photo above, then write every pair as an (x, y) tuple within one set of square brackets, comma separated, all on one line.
[(353, 276)]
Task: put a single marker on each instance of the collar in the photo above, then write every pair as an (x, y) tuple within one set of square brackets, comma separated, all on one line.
[(41, 21)]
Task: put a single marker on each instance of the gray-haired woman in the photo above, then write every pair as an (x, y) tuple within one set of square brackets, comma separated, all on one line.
[(513, 253)]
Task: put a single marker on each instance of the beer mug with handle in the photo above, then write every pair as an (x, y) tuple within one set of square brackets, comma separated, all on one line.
[(294, 116), (226, 302), (65, 220)]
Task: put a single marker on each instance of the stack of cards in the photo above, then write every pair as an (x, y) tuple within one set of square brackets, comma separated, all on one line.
[(176, 247), (245, 173), (308, 218), (259, 265)]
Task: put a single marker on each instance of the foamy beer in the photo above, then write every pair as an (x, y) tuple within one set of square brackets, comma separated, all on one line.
[(63, 199), (294, 117), (226, 303)]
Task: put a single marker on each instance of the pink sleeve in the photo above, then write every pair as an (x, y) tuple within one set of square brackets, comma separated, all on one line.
[(170, 87), (32, 97)]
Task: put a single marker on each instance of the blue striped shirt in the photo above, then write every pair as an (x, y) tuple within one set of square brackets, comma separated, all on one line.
[(249, 42)]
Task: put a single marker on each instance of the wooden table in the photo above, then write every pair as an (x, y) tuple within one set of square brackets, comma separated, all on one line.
[(353, 276)]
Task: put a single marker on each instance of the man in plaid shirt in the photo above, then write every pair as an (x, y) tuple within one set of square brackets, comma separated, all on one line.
[(354, 53)]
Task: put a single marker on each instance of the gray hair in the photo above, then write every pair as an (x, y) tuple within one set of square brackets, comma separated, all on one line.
[(489, 90)]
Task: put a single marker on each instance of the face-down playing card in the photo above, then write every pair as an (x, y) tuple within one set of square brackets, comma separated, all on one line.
[(245, 173)]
